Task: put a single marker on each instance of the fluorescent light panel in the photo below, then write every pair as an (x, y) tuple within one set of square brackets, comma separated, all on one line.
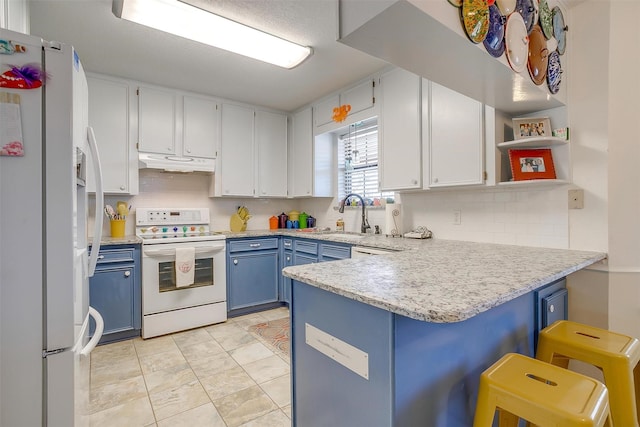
[(181, 19)]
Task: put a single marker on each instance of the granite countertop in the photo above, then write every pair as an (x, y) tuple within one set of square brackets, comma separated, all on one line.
[(442, 281), (126, 240)]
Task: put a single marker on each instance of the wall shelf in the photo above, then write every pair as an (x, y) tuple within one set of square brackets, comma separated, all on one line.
[(537, 142)]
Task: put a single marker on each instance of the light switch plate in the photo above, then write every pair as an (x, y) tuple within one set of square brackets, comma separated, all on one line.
[(576, 199)]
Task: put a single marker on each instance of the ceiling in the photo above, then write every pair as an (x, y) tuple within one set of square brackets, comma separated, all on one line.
[(116, 47)]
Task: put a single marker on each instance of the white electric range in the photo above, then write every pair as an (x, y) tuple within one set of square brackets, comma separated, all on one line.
[(168, 306)]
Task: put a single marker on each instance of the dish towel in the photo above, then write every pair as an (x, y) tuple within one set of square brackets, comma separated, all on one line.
[(185, 266)]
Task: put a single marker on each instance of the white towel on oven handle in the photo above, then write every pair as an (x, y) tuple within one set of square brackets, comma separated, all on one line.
[(185, 266)]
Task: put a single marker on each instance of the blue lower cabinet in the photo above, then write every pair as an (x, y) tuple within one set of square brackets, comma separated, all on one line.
[(252, 273), (285, 291), (552, 303), (115, 291)]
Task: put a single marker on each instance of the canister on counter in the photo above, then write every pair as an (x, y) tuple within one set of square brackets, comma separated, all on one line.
[(273, 223)]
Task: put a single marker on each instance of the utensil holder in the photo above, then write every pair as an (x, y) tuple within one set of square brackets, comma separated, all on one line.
[(117, 227)]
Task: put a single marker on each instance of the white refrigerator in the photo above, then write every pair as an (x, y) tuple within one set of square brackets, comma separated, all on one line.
[(44, 262)]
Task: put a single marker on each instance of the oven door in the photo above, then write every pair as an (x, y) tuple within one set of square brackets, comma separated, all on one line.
[(159, 290)]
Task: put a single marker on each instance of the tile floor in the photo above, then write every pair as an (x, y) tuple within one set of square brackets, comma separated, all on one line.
[(219, 376)]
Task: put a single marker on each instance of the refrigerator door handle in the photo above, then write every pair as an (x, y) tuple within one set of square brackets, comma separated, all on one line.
[(97, 229), (93, 342)]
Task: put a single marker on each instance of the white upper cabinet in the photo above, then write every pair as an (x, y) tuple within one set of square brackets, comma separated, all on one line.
[(453, 132), (14, 15), (253, 153), (301, 155), (400, 138), (176, 123), (109, 115), (323, 111), (236, 151), (271, 154), (156, 121), (359, 98), (200, 127)]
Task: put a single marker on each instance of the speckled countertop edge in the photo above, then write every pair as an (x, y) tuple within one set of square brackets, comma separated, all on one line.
[(126, 240), (443, 281)]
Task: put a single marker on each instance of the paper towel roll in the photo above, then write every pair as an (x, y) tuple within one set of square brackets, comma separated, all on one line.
[(393, 219)]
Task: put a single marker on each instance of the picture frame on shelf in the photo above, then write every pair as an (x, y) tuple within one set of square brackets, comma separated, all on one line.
[(532, 164), (531, 127)]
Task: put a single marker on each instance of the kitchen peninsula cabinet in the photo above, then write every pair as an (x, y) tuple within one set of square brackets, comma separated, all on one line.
[(402, 341), (252, 273), (176, 123), (110, 106), (400, 137), (253, 153), (115, 291)]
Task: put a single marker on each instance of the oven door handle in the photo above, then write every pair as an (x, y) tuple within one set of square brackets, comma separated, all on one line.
[(172, 251)]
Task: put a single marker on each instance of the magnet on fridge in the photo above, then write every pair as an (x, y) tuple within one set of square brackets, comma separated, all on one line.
[(28, 76), (8, 48)]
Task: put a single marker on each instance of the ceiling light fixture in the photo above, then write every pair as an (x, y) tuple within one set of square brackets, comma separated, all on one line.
[(184, 20)]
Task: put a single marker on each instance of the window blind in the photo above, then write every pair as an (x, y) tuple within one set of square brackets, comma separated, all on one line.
[(358, 161)]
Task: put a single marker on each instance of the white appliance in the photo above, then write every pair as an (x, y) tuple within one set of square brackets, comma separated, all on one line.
[(168, 306), (364, 251), (44, 264)]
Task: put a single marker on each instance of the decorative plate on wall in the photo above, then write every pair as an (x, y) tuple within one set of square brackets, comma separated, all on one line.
[(554, 72), (517, 42), (494, 42), (529, 12), (546, 19), (559, 29), (538, 54), (506, 6), (475, 19)]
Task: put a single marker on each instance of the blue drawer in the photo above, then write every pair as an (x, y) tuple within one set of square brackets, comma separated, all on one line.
[(335, 251), (109, 256), (307, 247), (245, 245), (287, 244)]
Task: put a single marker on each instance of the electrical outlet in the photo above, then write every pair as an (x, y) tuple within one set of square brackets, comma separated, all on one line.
[(576, 199), (457, 217)]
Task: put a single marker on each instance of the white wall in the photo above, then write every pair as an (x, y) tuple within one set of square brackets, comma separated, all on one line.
[(175, 190)]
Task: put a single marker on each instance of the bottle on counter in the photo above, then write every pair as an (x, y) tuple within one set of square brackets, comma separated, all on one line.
[(340, 225)]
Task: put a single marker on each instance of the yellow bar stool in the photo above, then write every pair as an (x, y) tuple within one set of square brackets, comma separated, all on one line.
[(545, 395), (615, 354)]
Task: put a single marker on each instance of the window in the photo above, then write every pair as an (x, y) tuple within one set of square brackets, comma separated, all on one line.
[(358, 160)]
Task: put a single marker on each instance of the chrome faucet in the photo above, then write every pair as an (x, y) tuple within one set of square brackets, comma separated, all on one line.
[(365, 224)]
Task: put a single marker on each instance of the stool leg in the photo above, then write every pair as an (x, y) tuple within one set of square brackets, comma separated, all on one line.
[(619, 382), (507, 419), (636, 381), (485, 406)]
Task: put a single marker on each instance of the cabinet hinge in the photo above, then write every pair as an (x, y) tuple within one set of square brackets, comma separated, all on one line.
[(485, 175), (373, 83), (137, 145), (138, 92), (373, 100)]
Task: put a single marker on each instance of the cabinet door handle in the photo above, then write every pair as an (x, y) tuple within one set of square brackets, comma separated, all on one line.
[(122, 187), (552, 308), (254, 245), (127, 273), (288, 258), (100, 256), (235, 262)]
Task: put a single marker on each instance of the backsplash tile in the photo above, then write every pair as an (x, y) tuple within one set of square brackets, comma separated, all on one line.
[(531, 217)]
